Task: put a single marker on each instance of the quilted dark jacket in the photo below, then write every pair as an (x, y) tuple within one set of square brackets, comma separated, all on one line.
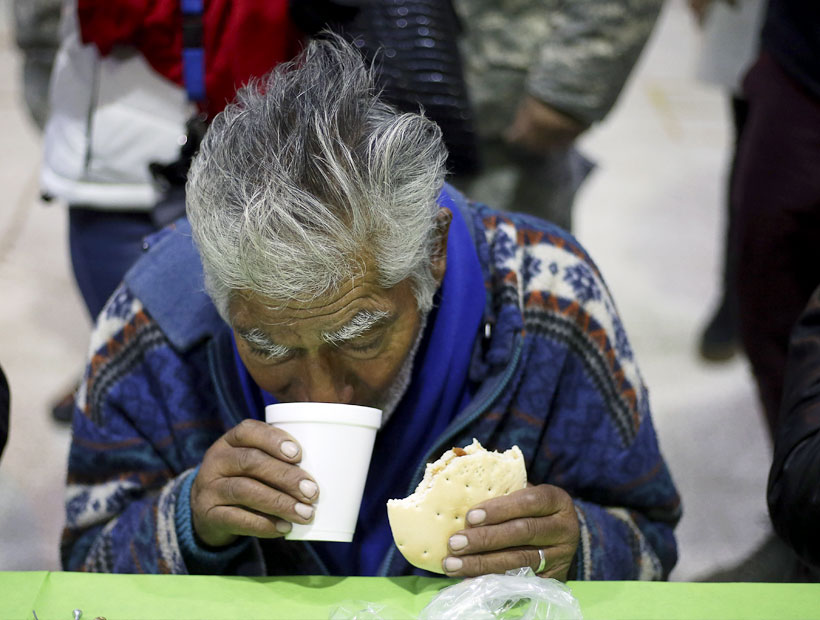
[(794, 479)]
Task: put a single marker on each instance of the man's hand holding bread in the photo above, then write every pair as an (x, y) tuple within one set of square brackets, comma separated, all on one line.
[(474, 514), (507, 532)]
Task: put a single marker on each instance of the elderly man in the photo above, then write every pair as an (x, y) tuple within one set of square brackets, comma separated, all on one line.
[(340, 268)]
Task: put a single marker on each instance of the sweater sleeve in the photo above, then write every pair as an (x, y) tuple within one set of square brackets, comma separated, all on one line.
[(606, 455), (624, 494), (582, 66), (142, 423), (586, 407)]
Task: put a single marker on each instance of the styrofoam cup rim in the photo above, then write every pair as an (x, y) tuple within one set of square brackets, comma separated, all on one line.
[(323, 413)]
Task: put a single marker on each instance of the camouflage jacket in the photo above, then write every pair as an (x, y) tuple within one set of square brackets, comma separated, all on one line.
[(574, 55)]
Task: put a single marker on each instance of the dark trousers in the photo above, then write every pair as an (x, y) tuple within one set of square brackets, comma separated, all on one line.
[(776, 203), (104, 244), (728, 303)]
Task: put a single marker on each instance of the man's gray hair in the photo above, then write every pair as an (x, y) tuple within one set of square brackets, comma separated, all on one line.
[(308, 178)]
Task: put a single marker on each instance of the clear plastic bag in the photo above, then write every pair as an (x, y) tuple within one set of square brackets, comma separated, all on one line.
[(519, 594), (366, 610)]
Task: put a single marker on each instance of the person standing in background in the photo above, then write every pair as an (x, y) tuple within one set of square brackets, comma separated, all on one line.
[(413, 46), (111, 115), (37, 35), (775, 203), (776, 192), (120, 108), (729, 45), (539, 73), (119, 103)]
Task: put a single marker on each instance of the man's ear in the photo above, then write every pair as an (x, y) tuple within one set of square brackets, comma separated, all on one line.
[(438, 260)]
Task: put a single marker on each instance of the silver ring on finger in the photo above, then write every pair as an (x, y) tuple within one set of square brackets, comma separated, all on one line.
[(543, 562)]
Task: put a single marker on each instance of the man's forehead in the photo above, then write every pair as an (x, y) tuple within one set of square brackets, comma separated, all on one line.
[(328, 313)]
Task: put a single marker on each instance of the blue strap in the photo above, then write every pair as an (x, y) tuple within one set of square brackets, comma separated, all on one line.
[(193, 54)]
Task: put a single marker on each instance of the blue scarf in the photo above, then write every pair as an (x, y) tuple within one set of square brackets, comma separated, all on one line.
[(439, 389)]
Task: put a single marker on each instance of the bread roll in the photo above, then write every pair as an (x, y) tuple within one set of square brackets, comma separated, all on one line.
[(423, 522)]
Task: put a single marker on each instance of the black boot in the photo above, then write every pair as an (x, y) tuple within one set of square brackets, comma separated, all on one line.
[(719, 341), (63, 409)]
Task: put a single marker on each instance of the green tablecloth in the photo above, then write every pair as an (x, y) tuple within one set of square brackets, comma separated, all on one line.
[(158, 597)]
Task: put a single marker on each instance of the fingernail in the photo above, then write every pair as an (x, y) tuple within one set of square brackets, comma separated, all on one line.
[(283, 527), (289, 449), (308, 488), (474, 517), (458, 541), (452, 564), (304, 511)]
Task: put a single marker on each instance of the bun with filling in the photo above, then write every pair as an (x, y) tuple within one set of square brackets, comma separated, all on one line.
[(423, 522)]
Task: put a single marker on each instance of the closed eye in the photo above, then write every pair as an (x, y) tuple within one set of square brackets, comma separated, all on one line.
[(259, 345), (259, 352), (267, 354), (363, 345)]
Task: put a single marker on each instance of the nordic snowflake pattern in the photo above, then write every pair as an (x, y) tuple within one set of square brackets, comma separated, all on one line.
[(121, 308), (566, 273), (582, 281)]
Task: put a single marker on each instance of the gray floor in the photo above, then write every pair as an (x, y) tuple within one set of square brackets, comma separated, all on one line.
[(651, 215)]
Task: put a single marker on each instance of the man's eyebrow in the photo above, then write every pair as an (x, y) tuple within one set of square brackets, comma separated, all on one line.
[(361, 323), (261, 340)]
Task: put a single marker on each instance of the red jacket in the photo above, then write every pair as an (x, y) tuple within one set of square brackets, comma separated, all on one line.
[(242, 39)]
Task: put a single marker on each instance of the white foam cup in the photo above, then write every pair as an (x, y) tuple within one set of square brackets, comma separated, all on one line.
[(337, 443)]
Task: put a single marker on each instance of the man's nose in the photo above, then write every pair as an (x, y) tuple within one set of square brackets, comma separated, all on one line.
[(322, 381)]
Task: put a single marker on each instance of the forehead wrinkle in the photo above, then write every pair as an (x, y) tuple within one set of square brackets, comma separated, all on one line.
[(362, 322), (362, 287)]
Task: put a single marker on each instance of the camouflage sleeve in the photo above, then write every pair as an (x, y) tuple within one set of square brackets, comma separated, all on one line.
[(593, 45)]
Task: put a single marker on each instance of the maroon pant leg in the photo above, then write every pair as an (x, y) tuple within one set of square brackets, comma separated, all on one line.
[(776, 198)]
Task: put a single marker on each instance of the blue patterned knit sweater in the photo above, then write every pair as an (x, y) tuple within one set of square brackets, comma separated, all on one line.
[(556, 373)]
